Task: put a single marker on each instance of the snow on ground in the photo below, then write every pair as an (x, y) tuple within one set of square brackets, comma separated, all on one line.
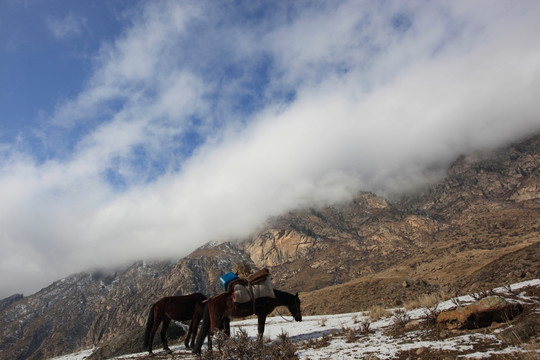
[(76, 356), (377, 342)]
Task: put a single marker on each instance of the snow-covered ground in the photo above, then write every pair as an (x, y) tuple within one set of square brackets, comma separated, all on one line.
[(379, 342)]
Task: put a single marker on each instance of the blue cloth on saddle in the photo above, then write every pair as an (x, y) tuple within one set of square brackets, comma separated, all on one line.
[(226, 279)]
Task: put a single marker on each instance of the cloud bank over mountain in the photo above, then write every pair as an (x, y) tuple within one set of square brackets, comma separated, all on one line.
[(197, 121)]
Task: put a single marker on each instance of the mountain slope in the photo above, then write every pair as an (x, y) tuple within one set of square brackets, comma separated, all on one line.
[(476, 227)]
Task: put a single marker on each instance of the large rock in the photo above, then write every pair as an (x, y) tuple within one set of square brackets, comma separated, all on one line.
[(479, 314)]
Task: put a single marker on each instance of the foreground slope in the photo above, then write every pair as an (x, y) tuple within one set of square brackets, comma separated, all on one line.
[(399, 334)]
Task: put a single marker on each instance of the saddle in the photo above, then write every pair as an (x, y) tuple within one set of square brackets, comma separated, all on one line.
[(261, 286), (256, 285)]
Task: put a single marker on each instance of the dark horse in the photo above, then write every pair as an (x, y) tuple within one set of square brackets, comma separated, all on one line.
[(180, 308), (222, 306)]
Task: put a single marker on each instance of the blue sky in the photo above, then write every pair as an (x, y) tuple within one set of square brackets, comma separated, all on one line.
[(47, 52), (133, 130)]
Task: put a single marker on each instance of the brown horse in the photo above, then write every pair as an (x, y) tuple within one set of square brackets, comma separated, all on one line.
[(222, 306), (179, 308)]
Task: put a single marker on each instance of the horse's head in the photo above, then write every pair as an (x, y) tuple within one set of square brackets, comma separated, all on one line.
[(294, 308)]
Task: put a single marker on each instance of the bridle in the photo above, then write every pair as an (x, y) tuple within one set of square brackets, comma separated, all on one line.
[(294, 314), (277, 310)]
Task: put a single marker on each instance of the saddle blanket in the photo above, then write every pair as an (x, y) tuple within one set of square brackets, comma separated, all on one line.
[(240, 293), (263, 289)]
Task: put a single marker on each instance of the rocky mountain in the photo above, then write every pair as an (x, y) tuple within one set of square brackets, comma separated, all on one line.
[(86, 309), (478, 227)]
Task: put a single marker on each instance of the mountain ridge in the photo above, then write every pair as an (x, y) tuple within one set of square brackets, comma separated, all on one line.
[(480, 220)]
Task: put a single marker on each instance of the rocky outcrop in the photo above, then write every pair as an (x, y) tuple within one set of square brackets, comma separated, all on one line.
[(479, 314), (10, 300)]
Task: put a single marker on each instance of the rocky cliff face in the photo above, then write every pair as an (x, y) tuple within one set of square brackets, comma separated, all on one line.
[(451, 233), (315, 248)]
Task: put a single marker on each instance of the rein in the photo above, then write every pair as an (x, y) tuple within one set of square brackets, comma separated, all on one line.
[(277, 310)]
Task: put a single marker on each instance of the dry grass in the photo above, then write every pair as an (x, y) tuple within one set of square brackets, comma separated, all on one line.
[(426, 300), (241, 347), (431, 314), (378, 312), (317, 343), (351, 334)]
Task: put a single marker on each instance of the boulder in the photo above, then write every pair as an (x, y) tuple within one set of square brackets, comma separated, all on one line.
[(479, 314)]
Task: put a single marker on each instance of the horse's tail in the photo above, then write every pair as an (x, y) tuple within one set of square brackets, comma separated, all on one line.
[(203, 331), (149, 325)]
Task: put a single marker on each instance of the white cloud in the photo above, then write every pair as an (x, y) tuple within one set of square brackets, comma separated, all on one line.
[(381, 95), (69, 27)]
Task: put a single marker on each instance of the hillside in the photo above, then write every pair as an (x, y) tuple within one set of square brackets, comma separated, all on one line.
[(396, 333), (477, 228)]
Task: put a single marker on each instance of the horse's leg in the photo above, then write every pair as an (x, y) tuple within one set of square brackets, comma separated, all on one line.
[(148, 337), (155, 326), (209, 340), (195, 324), (163, 333), (215, 319), (189, 334), (225, 325), (214, 311), (205, 329), (215, 315), (261, 320), (151, 341), (192, 332), (198, 312)]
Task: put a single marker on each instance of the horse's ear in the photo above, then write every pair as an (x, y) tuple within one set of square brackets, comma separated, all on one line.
[(296, 294)]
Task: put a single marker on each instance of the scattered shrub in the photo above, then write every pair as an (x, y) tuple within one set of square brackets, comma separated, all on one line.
[(482, 294), (321, 342), (349, 333), (430, 315), (456, 302), (241, 347), (400, 318), (365, 327), (509, 289)]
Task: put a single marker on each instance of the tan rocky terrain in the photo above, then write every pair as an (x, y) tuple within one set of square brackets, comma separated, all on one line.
[(477, 228)]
